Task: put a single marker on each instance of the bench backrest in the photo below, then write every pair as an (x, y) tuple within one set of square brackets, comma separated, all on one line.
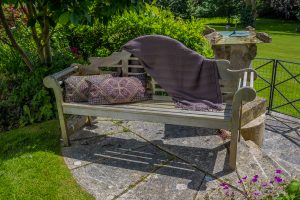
[(126, 64)]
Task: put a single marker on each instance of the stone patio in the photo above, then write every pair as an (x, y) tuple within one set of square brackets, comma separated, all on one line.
[(141, 160)]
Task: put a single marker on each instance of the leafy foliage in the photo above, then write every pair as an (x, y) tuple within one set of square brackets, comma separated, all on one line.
[(153, 20), (105, 9), (292, 191), (85, 40), (23, 99), (285, 9), (181, 8)]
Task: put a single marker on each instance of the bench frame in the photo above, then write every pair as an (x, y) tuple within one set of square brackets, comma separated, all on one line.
[(236, 88)]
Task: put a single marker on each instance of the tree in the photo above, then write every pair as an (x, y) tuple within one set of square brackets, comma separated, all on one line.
[(11, 38), (286, 7), (43, 16), (180, 8)]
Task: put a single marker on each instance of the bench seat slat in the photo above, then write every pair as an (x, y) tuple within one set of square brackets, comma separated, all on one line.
[(174, 111), (209, 120), (151, 109), (163, 105)]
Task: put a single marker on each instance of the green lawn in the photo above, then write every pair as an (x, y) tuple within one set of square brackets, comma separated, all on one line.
[(285, 46), (31, 166)]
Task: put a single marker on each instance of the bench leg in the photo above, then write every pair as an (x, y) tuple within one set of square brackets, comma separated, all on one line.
[(233, 151), (89, 121), (63, 128)]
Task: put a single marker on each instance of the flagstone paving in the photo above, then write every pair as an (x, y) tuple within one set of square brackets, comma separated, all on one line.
[(282, 141), (141, 160)]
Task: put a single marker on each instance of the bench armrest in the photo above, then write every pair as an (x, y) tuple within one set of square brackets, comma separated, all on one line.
[(53, 81), (244, 93), (57, 76)]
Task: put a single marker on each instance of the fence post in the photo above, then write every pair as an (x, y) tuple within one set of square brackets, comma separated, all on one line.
[(272, 86)]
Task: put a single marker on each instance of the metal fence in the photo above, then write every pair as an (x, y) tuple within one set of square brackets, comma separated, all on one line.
[(279, 82)]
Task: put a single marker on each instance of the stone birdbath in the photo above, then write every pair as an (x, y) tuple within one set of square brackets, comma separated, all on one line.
[(240, 48)]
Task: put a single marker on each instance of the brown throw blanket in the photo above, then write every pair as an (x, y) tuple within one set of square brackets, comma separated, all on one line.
[(189, 78)]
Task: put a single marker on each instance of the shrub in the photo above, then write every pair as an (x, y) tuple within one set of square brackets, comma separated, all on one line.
[(180, 8), (153, 20), (23, 98), (85, 40)]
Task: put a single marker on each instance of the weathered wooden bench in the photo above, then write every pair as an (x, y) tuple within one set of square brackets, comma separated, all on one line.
[(236, 88)]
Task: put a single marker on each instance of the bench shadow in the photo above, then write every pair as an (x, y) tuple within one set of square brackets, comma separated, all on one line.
[(138, 155), (186, 131)]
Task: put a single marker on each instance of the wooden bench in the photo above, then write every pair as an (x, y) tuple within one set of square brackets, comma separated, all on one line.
[(236, 88)]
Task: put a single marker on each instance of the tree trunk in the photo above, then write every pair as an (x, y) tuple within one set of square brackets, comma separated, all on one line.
[(30, 15), (46, 40), (252, 5), (14, 43)]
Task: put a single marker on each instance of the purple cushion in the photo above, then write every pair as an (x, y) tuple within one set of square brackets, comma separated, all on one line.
[(77, 89), (115, 90), (143, 78)]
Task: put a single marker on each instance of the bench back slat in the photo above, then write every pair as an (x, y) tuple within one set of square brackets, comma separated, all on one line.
[(126, 64)]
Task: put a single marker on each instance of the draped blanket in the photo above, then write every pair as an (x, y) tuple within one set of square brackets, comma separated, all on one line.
[(189, 78)]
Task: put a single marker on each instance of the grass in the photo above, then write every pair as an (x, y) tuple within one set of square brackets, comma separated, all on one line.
[(31, 166), (285, 46)]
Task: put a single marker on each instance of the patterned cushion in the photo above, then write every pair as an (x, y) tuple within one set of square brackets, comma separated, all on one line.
[(76, 87), (143, 78), (115, 90)]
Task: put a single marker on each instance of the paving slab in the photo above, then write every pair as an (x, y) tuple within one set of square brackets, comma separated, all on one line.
[(175, 180), (282, 141), (97, 129), (106, 179), (89, 149)]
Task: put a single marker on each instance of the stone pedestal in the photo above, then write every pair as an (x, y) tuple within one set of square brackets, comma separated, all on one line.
[(239, 55), (254, 130), (253, 120), (253, 109)]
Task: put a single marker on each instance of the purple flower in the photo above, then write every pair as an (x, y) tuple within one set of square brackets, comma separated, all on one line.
[(278, 171), (74, 50), (227, 193), (256, 194), (278, 179), (240, 181), (225, 187), (223, 184), (245, 177), (232, 194), (254, 179), (271, 182), (264, 185)]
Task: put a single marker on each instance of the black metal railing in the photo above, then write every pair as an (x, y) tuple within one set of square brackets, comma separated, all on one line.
[(279, 82)]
